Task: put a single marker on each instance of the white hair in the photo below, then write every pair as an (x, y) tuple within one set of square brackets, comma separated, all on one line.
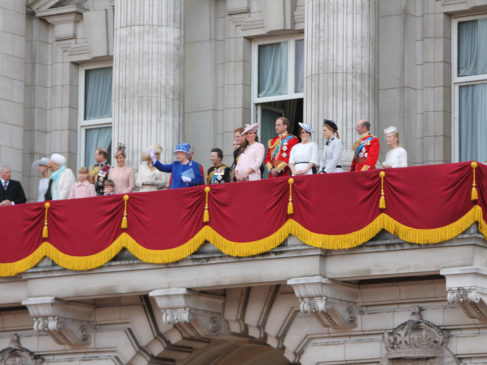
[(4, 167)]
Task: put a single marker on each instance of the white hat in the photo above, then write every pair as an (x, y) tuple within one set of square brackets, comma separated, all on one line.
[(306, 127), (390, 129), (248, 127), (44, 161), (58, 159)]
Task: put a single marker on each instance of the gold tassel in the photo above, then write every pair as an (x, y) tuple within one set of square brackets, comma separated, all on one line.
[(206, 216), (45, 231), (290, 207), (124, 224), (382, 201), (475, 194)]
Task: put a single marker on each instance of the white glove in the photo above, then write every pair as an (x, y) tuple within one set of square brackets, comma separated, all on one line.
[(152, 155), (186, 179)]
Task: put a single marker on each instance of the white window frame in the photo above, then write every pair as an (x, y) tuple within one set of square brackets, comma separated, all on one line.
[(83, 124), (458, 81), (258, 101)]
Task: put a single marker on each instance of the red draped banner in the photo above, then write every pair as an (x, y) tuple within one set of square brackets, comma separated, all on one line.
[(422, 205)]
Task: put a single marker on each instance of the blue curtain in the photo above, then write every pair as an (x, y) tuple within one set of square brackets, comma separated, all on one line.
[(473, 122), (472, 47), (299, 67), (97, 138), (272, 69), (98, 93)]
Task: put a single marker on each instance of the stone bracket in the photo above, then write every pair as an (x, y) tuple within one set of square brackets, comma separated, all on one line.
[(68, 323), (467, 286), (196, 315), (334, 304), (64, 19)]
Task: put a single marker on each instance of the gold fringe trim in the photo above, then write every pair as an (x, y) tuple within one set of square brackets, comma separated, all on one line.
[(242, 249)]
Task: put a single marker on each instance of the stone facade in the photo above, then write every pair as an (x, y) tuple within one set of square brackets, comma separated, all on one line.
[(183, 71)]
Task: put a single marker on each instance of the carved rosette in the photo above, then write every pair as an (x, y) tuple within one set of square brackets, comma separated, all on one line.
[(334, 304), (66, 322)]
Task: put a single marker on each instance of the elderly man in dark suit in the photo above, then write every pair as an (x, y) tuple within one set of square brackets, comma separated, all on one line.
[(11, 192)]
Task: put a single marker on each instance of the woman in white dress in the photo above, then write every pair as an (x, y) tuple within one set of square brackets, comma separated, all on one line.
[(396, 156), (42, 166), (331, 160), (62, 177), (304, 156), (148, 177)]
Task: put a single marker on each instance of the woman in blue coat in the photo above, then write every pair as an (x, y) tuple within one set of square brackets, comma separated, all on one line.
[(185, 172)]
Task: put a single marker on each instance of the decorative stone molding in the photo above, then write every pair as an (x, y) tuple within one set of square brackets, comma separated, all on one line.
[(278, 14), (194, 314), (334, 304), (18, 355), (237, 7), (417, 339), (68, 323), (64, 19), (467, 286)]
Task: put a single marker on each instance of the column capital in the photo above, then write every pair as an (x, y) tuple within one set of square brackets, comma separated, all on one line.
[(68, 323), (334, 304), (193, 313)]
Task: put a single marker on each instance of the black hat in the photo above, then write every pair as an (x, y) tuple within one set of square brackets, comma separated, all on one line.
[(331, 124)]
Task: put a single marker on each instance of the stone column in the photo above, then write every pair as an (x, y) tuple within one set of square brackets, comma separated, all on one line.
[(341, 65), (148, 76)]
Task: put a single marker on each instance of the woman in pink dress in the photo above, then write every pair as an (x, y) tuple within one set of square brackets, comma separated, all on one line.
[(251, 157), (122, 175)]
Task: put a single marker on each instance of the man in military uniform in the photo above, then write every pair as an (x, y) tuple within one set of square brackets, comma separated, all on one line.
[(279, 149), (366, 148), (99, 171)]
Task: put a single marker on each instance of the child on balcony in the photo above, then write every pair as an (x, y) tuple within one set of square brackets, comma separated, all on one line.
[(82, 188)]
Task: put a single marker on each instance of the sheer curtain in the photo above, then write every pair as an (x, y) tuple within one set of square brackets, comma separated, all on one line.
[(299, 67), (473, 122), (273, 69), (96, 138), (98, 93), (472, 47)]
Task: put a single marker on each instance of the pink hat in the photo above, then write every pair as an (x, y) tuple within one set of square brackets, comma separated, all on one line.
[(248, 127)]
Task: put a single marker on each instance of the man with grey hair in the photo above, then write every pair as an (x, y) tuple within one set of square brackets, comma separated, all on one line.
[(11, 192)]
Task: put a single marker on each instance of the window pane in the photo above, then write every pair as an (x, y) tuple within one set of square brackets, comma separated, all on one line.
[(97, 138), (98, 93), (272, 69), (299, 67), (473, 122), (472, 47)]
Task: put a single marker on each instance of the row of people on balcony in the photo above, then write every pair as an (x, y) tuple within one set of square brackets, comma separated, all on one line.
[(284, 156)]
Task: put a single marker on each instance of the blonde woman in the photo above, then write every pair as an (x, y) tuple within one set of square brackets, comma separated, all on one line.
[(149, 178), (397, 156)]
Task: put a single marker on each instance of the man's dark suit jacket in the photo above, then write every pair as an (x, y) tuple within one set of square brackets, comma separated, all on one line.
[(14, 192)]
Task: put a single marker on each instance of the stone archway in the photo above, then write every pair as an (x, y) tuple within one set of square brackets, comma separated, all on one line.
[(236, 351)]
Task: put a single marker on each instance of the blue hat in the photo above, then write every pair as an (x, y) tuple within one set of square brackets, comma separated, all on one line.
[(306, 127), (183, 147)]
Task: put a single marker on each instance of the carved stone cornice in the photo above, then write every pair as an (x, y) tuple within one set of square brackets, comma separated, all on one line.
[(68, 323), (417, 339), (467, 287), (334, 304), (65, 20), (196, 315)]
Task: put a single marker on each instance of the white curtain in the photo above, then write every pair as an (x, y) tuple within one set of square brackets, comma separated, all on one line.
[(97, 138), (472, 47), (98, 93), (299, 67), (473, 122), (273, 69)]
